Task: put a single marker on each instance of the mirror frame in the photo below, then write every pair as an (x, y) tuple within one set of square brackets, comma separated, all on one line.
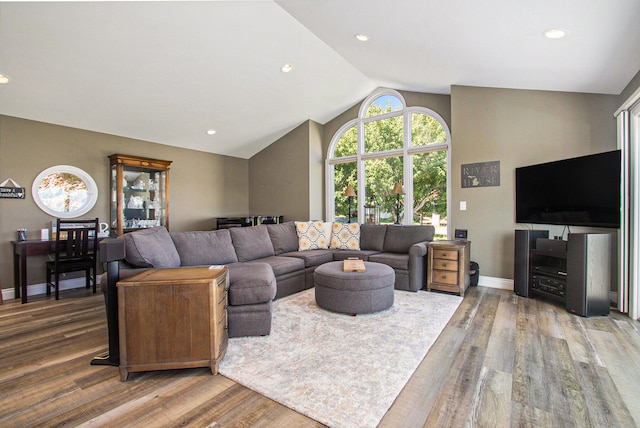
[(92, 190)]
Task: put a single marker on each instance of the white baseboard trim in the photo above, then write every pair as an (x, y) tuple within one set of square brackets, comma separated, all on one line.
[(492, 282), (67, 284), (36, 289)]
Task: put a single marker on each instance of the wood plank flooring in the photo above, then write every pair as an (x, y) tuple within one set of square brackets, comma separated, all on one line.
[(502, 361)]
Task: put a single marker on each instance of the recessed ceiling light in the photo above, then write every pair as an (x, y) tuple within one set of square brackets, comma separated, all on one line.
[(554, 33), (286, 68), (362, 37), (211, 131), (4, 79)]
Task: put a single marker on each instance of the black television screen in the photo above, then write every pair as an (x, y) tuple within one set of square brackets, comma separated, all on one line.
[(582, 191)]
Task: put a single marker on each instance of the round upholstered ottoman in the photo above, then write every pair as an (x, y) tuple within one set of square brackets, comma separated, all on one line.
[(354, 292)]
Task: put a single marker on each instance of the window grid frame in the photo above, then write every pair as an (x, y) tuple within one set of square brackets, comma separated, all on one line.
[(407, 152)]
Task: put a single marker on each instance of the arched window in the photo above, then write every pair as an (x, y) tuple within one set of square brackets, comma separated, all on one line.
[(390, 143)]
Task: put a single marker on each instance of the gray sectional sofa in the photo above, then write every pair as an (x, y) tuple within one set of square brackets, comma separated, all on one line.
[(264, 262)]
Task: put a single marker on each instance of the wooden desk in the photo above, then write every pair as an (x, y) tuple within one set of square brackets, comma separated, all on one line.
[(22, 250)]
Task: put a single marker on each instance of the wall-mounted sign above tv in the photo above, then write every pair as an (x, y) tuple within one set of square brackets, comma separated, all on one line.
[(582, 191)]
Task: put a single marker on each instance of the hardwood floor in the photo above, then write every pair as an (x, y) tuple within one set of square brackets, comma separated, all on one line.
[(502, 361)]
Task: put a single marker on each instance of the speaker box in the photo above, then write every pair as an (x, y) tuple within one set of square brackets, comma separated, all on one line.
[(525, 242), (588, 273)]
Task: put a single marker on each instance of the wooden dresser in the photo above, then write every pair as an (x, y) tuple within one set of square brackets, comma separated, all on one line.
[(448, 266), (173, 318)]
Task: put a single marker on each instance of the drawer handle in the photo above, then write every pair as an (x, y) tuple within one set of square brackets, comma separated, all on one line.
[(444, 276), (445, 254), (444, 265)]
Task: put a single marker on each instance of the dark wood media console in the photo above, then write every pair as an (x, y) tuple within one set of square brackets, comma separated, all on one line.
[(576, 272)]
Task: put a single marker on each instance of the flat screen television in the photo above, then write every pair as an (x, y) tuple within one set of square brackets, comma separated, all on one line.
[(582, 191)]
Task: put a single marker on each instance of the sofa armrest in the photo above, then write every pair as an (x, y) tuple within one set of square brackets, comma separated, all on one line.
[(419, 249), (418, 265), (112, 249)]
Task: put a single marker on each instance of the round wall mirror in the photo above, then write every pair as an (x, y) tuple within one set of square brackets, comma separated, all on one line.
[(64, 191)]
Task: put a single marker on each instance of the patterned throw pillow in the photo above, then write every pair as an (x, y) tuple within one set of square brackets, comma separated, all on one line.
[(345, 236), (311, 235)]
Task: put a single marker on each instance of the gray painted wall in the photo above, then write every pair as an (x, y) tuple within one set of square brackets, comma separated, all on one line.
[(279, 177), (633, 85), (517, 128), (202, 185)]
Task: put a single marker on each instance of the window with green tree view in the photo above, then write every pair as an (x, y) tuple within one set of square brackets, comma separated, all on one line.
[(390, 143)]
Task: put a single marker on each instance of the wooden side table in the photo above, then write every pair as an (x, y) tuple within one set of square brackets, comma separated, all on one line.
[(173, 318), (448, 266)]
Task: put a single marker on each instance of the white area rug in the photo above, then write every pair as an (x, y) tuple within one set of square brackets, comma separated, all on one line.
[(340, 370)]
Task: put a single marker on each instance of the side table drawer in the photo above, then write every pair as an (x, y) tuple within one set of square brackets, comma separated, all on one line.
[(445, 254), (442, 264), (445, 277), (221, 337)]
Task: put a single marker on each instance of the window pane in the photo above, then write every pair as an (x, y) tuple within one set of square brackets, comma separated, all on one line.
[(63, 192), (347, 144), (384, 104), (430, 190), (382, 135), (426, 130), (380, 176), (345, 174)]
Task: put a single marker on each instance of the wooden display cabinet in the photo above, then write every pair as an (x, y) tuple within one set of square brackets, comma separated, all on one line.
[(139, 193), (173, 318), (448, 266)]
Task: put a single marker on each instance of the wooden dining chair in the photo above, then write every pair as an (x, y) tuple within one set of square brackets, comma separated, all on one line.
[(75, 250)]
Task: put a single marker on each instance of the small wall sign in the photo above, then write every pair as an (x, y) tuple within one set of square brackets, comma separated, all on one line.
[(15, 192), (482, 174)]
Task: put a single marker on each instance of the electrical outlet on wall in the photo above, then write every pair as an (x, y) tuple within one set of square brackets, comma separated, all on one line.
[(463, 205)]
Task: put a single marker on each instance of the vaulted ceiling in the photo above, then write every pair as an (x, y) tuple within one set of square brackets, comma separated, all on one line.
[(168, 72)]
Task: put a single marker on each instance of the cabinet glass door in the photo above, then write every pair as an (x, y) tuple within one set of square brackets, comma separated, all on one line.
[(139, 193)]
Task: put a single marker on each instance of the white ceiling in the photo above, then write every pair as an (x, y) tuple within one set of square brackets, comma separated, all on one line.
[(167, 72)]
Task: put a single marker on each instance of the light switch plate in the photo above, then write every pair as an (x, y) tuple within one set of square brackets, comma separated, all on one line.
[(463, 205)]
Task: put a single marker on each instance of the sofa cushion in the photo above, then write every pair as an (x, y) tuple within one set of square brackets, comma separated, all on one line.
[(400, 238), (395, 260), (251, 283), (151, 248), (284, 237), (345, 236), (312, 257), (251, 243), (211, 247), (312, 235), (282, 265), (372, 236)]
